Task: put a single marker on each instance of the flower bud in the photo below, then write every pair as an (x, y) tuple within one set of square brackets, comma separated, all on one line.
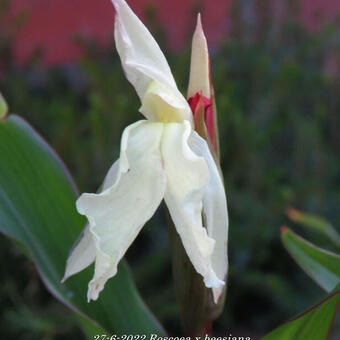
[(3, 107), (200, 90)]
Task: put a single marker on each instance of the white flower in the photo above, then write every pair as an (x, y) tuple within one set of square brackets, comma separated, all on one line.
[(161, 157)]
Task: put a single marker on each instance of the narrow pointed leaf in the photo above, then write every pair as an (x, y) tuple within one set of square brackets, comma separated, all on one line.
[(321, 265), (37, 208), (316, 223), (315, 324)]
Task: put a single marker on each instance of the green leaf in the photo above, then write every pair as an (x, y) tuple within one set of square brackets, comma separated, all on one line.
[(90, 329), (3, 107), (314, 324), (316, 223), (37, 208), (321, 265)]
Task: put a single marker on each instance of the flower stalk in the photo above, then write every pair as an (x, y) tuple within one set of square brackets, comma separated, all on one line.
[(197, 305)]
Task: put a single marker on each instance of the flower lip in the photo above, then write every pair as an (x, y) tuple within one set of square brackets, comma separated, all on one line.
[(162, 103)]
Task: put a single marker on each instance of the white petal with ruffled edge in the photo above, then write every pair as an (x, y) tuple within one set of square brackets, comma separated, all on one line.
[(83, 252), (187, 176), (144, 62), (215, 211), (117, 214)]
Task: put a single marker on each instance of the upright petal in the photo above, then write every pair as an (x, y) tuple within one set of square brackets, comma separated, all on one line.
[(199, 80), (187, 176), (117, 214), (143, 60), (215, 211)]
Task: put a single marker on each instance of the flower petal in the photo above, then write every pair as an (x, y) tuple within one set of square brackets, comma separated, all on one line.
[(144, 62), (110, 177), (215, 211), (187, 176), (165, 104), (83, 252), (117, 214), (142, 59)]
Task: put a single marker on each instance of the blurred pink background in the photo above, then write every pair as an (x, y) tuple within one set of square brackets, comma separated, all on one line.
[(53, 25)]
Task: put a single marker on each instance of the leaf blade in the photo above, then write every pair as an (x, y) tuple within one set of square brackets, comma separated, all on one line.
[(315, 223), (314, 324), (37, 208), (321, 265)]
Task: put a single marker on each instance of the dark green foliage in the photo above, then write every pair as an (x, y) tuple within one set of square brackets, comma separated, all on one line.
[(313, 324)]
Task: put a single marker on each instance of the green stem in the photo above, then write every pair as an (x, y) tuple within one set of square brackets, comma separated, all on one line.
[(197, 308)]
